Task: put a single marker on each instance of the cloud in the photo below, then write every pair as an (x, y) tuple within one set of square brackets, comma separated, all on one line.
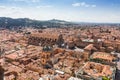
[(2, 7), (45, 6), (6, 10), (26, 1), (76, 4), (93, 5), (10, 8), (83, 4)]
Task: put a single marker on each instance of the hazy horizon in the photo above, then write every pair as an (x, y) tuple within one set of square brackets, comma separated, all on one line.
[(98, 11)]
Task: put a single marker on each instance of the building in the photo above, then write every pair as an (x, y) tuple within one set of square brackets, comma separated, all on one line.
[(45, 39), (102, 57), (96, 71)]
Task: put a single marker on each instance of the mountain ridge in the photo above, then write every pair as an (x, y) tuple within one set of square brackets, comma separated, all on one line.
[(26, 22)]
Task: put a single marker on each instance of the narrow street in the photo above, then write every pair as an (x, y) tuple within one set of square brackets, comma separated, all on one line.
[(117, 75)]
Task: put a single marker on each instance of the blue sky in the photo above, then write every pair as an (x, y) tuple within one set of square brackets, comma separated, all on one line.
[(70, 10)]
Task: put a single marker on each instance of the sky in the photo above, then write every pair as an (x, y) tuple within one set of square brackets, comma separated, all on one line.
[(69, 10)]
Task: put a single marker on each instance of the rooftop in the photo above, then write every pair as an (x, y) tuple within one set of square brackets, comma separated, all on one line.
[(103, 55), (46, 35)]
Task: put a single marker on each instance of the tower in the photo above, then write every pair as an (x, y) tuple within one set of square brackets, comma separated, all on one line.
[(60, 41)]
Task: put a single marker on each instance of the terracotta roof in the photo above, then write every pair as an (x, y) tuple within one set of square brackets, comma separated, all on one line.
[(90, 47), (12, 56), (103, 55), (97, 69), (46, 35)]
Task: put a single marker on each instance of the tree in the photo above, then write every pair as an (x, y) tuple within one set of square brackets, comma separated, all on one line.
[(105, 78)]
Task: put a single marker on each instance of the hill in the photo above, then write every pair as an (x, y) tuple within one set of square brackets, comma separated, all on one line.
[(6, 22)]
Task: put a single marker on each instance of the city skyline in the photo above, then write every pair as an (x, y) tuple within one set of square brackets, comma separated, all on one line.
[(70, 10)]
